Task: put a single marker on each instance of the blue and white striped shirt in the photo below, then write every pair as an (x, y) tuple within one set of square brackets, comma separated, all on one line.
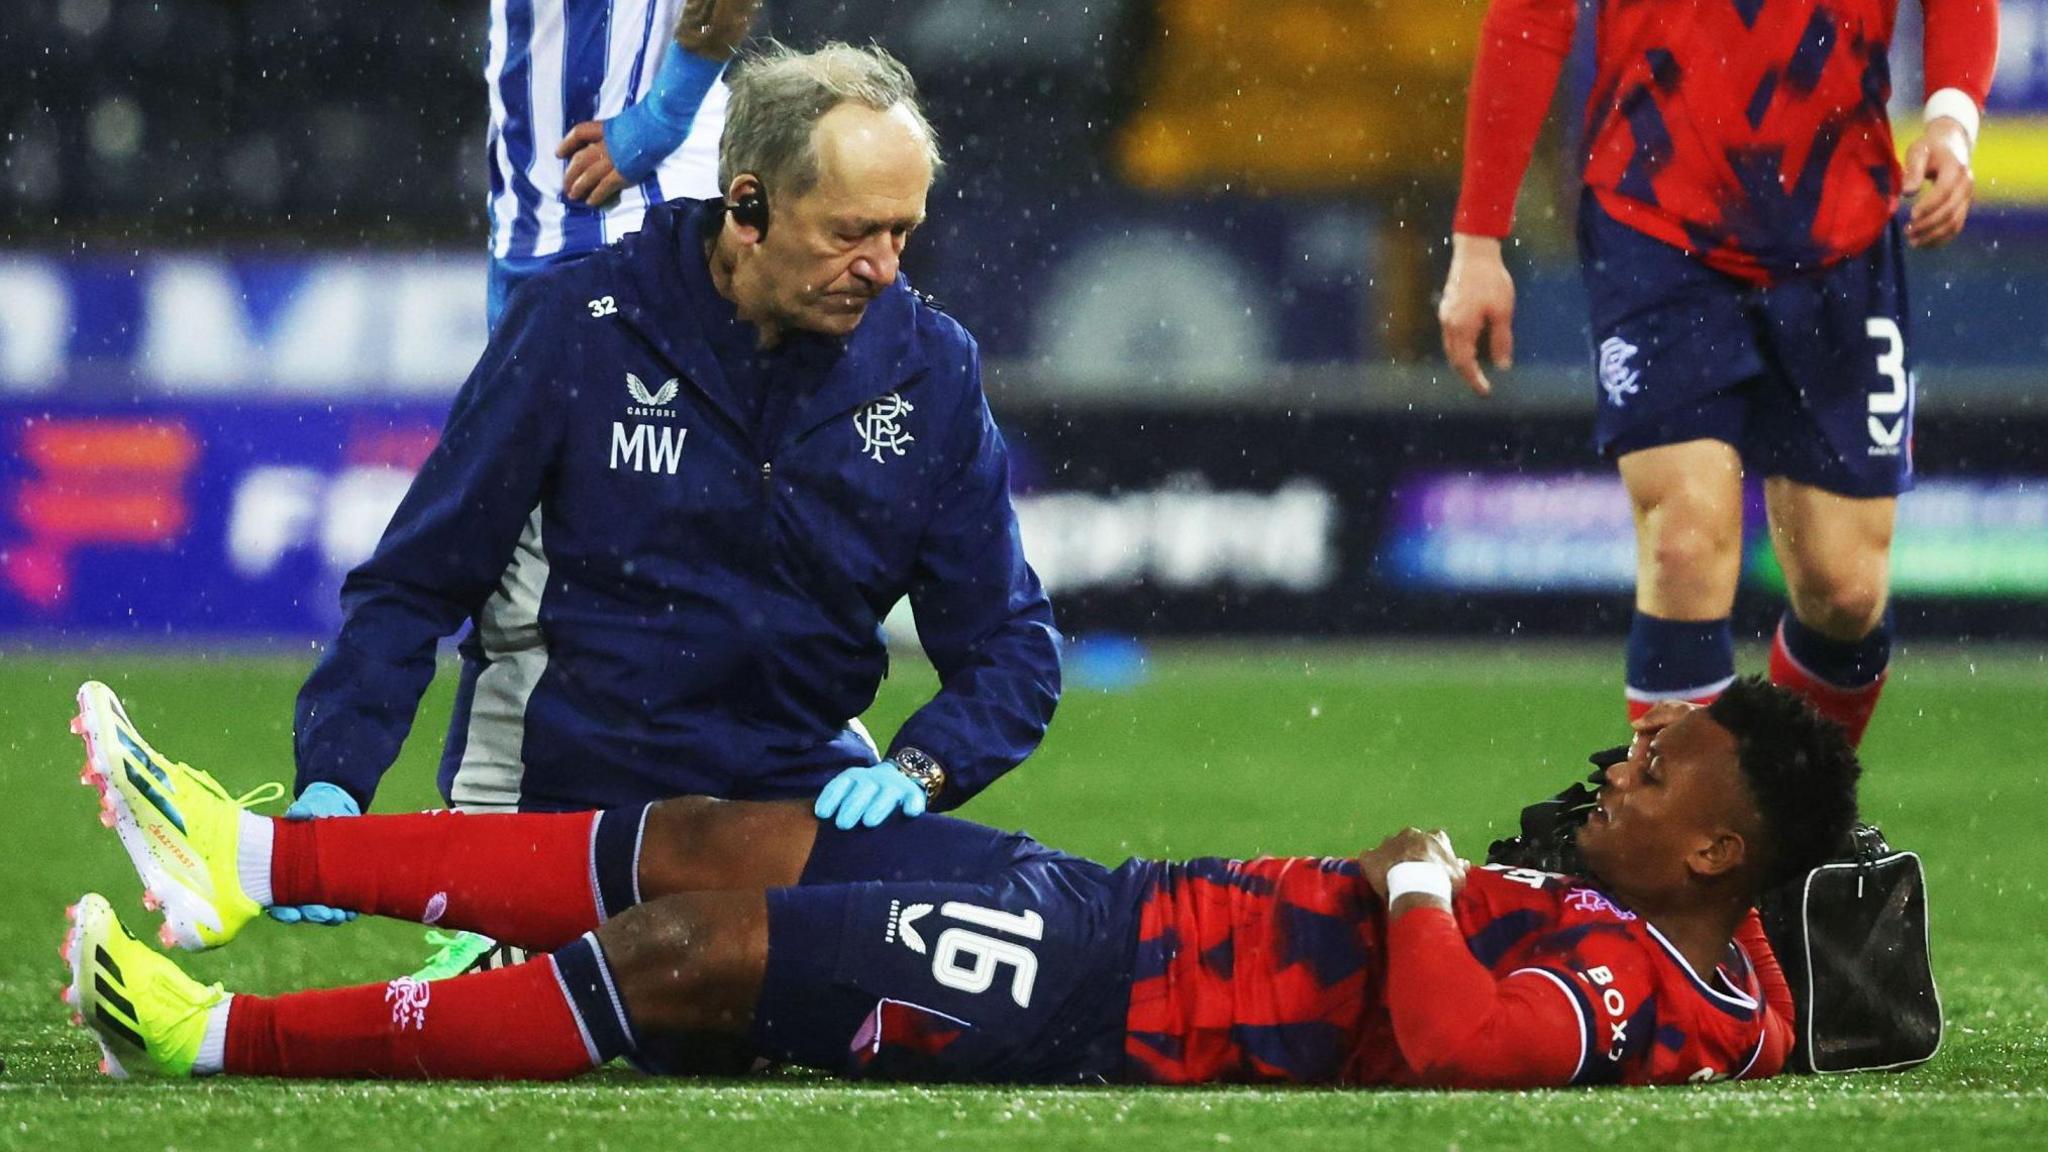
[(554, 64)]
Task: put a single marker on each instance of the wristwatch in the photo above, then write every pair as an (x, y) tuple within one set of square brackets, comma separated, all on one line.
[(914, 763)]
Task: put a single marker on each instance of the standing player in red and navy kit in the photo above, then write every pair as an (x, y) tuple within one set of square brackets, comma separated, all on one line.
[(1743, 267), (972, 954)]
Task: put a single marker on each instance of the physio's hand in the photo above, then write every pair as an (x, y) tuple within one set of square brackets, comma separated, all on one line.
[(317, 801), (1661, 715), (870, 795), (591, 177), (1938, 179), (1412, 844), (1478, 302)]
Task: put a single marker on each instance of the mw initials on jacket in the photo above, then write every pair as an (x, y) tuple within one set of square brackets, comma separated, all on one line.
[(647, 447)]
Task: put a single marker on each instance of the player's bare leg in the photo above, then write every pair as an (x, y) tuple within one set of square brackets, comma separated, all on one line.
[(725, 852), (696, 844), (1836, 552), (1687, 499), (690, 964), (1834, 646)]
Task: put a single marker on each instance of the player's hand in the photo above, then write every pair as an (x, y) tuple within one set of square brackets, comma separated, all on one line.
[(318, 802), (869, 795), (1409, 844), (1939, 181), (1478, 302), (714, 28), (591, 177)]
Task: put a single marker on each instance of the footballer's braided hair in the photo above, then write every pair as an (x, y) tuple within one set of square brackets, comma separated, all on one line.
[(1801, 770)]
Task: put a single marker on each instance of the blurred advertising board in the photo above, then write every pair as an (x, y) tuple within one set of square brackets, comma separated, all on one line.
[(1205, 291), (1501, 532), (1210, 293), (1493, 531), (1208, 300), (180, 325), (208, 518), (153, 521)]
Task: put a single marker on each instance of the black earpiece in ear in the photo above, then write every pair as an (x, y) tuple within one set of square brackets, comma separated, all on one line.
[(751, 209)]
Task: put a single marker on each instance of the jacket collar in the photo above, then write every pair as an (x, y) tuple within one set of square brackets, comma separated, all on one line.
[(883, 354)]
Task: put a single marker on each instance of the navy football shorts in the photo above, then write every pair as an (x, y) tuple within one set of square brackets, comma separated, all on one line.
[(1809, 379), (1020, 974)]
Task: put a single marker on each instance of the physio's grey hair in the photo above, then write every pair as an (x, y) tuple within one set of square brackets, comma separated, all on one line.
[(778, 96)]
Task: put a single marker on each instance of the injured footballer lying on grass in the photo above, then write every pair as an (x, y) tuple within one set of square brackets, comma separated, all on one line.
[(698, 936)]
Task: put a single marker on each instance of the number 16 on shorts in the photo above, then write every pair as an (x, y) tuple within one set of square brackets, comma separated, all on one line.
[(979, 946)]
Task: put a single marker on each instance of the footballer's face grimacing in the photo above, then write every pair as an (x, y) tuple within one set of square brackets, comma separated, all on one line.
[(830, 251), (1676, 814)]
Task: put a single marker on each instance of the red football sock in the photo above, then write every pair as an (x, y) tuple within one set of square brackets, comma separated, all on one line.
[(524, 879), (508, 1024), (1849, 707)]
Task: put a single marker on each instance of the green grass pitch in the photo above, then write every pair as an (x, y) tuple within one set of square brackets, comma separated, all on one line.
[(1234, 750)]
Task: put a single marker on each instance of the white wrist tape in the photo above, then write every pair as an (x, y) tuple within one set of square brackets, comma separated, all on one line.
[(1418, 878), (1956, 105)]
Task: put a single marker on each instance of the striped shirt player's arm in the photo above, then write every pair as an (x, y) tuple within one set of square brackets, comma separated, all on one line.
[(1780, 1014), (642, 135), (1458, 1026), (1522, 50)]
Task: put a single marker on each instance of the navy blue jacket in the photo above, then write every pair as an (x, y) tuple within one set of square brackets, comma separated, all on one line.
[(663, 603)]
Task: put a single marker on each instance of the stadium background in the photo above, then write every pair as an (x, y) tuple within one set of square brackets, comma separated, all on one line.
[(1315, 590)]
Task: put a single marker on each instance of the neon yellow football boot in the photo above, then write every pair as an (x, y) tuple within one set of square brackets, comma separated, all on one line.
[(180, 827), (149, 1017)]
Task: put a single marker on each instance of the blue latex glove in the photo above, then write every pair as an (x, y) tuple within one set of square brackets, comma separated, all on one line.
[(869, 795), (316, 802), (642, 136)]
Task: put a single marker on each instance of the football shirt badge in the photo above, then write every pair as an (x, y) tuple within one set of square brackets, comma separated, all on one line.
[(879, 430)]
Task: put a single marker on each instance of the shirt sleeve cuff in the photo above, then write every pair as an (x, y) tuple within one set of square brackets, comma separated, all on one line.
[(1956, 104)]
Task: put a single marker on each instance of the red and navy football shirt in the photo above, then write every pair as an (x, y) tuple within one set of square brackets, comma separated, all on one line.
[(1286, 970), (1752, 133)]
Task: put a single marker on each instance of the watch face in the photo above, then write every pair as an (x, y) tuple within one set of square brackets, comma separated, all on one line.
[(923, 769)]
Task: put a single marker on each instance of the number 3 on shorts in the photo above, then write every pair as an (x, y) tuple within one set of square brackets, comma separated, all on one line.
[(967, 960), (1891, 364)]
